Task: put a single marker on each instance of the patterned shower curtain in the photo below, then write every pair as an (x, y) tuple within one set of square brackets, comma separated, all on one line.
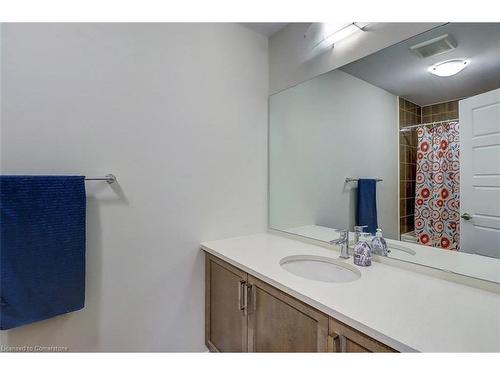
[(437, 196)]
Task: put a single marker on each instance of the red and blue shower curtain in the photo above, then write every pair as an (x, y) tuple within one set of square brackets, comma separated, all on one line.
[(437, 195)]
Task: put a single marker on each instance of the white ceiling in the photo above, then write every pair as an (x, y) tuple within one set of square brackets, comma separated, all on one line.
[(265, 28), (402, 73)]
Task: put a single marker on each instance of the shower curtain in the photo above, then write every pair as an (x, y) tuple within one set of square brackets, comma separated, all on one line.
[(437, 195)]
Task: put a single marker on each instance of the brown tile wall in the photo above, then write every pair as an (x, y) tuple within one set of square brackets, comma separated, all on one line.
[(440, 112), (409, 114)]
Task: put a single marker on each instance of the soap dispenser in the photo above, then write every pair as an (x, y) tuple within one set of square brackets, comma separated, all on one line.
[(362, 251), (379, 245)]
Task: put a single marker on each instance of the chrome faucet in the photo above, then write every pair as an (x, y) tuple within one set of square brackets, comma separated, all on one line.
[(358, 229), (343, 241)]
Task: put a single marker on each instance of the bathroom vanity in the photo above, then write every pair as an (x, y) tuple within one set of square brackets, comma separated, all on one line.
[(254, 304), (381, 143), (245, 314)]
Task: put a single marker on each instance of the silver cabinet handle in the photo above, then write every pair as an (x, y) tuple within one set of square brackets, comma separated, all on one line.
[(252, 298), (242, 297), (341, 347), (343, 344), (245, 298), (466, 216), (333, 339)]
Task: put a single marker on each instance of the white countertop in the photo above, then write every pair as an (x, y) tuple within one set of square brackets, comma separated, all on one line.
[(472, 265), (406, 310)]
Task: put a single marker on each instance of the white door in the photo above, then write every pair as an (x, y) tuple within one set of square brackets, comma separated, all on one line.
[(480, 174)]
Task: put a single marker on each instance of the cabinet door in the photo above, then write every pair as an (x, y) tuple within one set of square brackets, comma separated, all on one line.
[(344, 339), (280, 323), (225, 315)]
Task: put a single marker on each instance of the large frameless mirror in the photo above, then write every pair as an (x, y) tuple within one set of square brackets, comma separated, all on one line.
[(406, 140)]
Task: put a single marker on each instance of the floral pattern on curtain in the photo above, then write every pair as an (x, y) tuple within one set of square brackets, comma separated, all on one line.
[(437, 195)]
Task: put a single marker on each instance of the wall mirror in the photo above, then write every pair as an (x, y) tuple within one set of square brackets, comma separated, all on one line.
[(419, 124)]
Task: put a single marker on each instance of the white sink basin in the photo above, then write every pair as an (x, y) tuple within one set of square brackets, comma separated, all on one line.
[(320, 268)]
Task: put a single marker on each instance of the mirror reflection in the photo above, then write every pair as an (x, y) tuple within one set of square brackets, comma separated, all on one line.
[(407, 141)]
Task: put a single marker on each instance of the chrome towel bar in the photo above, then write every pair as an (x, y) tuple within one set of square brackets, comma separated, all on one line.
[(109, 178), (350, 179)]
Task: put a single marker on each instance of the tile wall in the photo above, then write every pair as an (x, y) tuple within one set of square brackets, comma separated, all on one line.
[(440, 112), (409, 114)]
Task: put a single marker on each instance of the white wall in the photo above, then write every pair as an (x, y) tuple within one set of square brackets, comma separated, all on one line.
[(322, 131), (289, 51), (179, 113)]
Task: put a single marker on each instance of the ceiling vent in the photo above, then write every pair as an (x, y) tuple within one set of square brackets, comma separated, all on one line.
[(435, 46)]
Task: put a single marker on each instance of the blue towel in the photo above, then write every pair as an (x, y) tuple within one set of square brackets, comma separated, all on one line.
[(42, 247), (366, 212)]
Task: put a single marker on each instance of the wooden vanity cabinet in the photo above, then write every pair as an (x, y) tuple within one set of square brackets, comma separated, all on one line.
[(245, 314), (345, 339), (226, 327), (280, 323)]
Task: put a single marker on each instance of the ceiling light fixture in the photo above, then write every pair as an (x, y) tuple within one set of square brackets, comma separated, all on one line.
[(448, 68)]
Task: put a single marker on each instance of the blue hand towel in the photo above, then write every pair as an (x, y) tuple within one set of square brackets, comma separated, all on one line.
[(366, 212), (42, 247)]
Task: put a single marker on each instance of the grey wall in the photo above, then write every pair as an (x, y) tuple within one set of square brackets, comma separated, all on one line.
[(179, 113), (324, 130), (290, 61)]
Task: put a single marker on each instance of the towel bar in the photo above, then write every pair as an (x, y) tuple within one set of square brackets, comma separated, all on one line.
[(350, 179), (109, 178)]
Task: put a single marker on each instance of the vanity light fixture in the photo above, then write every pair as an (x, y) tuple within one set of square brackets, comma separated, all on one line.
[(336, 32), (449, 68)]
